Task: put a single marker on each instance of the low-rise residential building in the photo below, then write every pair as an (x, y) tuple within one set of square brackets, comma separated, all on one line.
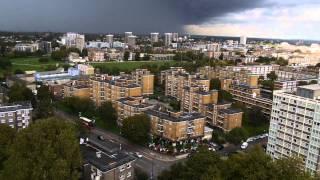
[(32, 47), (111, 88), (18, 115), (96, 55), (79, 89), (194, 99), (261, 70), (176, 126), (103, 162), (176, 79), (85, 69), (131, 106), (57, 76), (249, 94), (144, 78)]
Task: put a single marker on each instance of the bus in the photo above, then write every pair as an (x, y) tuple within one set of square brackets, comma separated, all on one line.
[(87, 122)]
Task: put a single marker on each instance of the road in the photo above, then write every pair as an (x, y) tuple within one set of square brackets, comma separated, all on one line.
[(151, 162)]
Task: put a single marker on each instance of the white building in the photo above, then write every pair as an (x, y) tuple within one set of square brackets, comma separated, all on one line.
[(295, 126), (132, 41), (126, 35), (154, 37), (27, 47), (175, 37), (214, 47), (243, 40), (167, 39), (74, 40), (261, 70), (109, 38)]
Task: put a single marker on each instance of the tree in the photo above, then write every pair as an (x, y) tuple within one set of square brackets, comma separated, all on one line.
[(221, 56), (136, 128), (44, 106), (18, 71), (215, 84), (137, 56), (237, 135), (84, 52), (6, 137), (146, 57), (175, 104), (19, 92), (59, 55), (272, 76), (48, 149), (126, 56), (282, 62), (106, 112), (252, 165), (75, 105), (5, 64), (313, 82)]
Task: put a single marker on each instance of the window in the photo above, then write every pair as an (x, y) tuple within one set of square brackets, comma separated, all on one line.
[(129, 174), (1, 114), (10, 114), (121, 168), (10, 120)]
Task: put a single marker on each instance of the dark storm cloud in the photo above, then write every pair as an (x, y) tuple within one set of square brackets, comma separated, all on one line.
[(113, 15)]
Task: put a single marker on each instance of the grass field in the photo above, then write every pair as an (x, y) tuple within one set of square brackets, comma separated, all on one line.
[(130, 65), (32, 63)]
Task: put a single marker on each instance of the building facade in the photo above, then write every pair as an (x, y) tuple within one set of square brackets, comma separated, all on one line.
[(176, 126), (295, 126), (18, 116)]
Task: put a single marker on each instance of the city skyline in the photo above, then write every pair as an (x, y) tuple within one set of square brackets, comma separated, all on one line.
[(262, 18)]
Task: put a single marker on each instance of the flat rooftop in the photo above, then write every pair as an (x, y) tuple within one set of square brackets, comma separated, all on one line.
[(312, 87), (173, 118)]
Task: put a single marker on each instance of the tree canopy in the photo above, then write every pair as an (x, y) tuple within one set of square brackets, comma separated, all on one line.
[(136, 128), (255, 164), (48, 149)]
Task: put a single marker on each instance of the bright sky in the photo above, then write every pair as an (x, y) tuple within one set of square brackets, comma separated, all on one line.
[(288, 19)]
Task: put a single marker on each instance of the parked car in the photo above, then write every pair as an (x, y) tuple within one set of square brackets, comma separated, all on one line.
[(244, 145), (138, 155), (101, 138)]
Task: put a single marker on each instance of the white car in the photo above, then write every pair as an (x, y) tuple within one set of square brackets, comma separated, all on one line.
[(244, 145), (138, 155)]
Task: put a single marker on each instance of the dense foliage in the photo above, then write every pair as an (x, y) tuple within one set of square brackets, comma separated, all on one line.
[(255, 164), (136, 128), (48, 149)]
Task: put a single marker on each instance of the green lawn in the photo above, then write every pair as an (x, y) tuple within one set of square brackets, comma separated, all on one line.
[(32, 63), (130, 65)]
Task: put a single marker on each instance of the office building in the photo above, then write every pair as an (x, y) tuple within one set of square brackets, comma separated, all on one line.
[(176, 126), (295, 126), (18, 116), (168, 39), (102, 160), (131, 106), (126, 35), (154, 37)]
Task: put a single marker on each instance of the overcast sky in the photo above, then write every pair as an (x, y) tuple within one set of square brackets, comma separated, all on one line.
[(298, 19)]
